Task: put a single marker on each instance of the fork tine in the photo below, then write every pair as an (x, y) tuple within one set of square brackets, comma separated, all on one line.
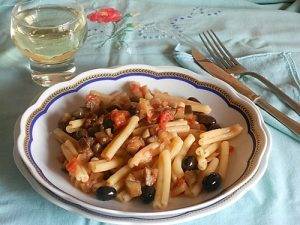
[(225, 49), (220, 58), (216, 59), (221, 50)]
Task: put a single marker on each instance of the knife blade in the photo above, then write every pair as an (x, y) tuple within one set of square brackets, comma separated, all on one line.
[(221, 74)]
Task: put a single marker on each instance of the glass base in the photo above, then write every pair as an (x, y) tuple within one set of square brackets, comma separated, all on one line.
[(49, 74)]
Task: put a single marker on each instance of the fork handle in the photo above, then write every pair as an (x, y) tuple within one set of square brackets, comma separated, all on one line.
[(280, 94), (293, 125)]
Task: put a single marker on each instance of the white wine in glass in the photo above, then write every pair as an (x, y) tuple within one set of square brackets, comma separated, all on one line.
[(49, 35)]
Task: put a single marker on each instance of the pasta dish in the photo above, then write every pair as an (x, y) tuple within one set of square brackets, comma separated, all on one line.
[(144, 144)]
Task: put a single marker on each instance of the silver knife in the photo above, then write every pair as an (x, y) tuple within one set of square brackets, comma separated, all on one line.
[(221, 74)]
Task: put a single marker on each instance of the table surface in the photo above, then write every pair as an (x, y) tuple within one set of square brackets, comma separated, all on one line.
[(246, 27)]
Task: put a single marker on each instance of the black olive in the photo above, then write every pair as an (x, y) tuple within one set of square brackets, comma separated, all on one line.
[(214, 126), (106, 193), (148, 193), (211, 182), (193, 99), (206, 120), (80, 113), (189, 163), (108, 123)]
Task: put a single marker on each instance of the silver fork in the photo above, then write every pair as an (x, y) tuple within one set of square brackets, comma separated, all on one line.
[(223, 58)]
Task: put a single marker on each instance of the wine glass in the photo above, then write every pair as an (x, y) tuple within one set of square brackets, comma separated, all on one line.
[(49, 33)]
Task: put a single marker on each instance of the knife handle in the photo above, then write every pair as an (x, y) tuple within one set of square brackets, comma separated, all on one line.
[(293, 125)]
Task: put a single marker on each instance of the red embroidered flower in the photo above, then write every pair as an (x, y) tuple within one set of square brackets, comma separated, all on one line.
[(105, 15)]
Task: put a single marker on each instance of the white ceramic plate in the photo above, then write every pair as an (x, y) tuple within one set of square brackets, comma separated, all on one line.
[(39, 150), (179, 218)]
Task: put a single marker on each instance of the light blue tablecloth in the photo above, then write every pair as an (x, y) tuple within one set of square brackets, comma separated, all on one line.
[(246, 27)]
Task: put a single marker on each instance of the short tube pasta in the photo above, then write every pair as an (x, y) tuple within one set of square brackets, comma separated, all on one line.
[(119, 185), (176, 123), (166, 158), (81, 173), (164, 180), (211, 149), (212, 156), (120, 174), (100, 166), (159, 185), (224, 155), (74, 125), (109, 152), (62, 137), (176, 146), (202, 163), (178, 129), (176, 165), (69, 150), (220, 134), (212, 166), (146, 152)]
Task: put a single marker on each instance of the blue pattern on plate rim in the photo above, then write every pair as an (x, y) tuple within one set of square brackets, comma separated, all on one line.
[(154, 75)]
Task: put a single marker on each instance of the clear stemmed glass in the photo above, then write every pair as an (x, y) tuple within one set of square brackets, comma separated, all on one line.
[(49, 33)]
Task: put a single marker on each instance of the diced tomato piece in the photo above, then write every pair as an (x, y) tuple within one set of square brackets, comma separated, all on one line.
[(119, 117), (71, 166), (164, 117), (231, 149)]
